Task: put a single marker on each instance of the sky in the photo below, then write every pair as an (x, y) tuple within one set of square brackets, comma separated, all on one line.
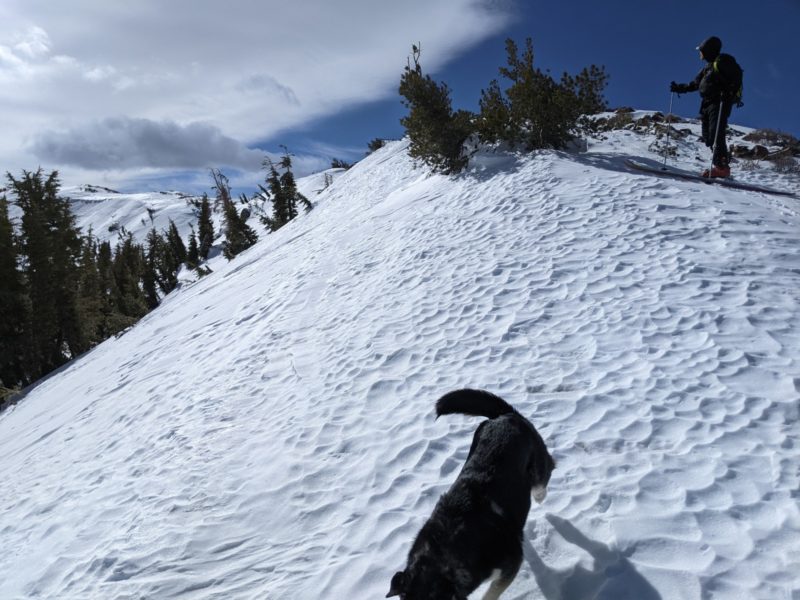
[(149, 95)]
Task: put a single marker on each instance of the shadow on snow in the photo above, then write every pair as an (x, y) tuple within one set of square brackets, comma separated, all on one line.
[(612, 576)]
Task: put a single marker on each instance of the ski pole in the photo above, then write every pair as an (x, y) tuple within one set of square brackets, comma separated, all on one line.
[(716, 134), (669, 118)]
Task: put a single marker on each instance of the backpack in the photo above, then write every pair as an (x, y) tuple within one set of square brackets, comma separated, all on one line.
[(732, 77)]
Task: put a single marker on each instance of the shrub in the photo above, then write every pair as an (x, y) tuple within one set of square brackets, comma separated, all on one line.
[(375, 144), (587, 88), (748, 165), (786, 165), (337, 163), (536, 111), (772, 137), (437, 133), (495, 122)]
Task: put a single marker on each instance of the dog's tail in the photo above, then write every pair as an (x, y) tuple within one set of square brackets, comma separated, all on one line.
[(477, 403)]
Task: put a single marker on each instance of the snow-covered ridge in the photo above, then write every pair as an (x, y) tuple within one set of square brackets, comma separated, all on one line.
[(268, 431), (108, 213)]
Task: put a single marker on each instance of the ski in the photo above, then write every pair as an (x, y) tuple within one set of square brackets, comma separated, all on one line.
[(739, 185)]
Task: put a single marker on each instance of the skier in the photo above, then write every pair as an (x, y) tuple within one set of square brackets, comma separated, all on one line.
[(720, 86)]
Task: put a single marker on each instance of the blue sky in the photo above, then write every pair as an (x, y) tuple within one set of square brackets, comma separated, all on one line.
[(643, 46), (149, 95)]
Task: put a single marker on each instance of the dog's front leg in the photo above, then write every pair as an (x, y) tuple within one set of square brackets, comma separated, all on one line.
[(498, 587), (500, 584)]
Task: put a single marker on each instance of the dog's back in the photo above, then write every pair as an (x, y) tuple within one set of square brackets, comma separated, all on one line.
[(507, 452), (476, 527)]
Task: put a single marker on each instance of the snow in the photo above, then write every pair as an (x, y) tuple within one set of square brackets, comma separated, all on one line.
[(268, 431), (108, 213)]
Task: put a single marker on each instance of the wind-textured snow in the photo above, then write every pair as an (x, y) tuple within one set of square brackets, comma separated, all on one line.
[(268, 432)]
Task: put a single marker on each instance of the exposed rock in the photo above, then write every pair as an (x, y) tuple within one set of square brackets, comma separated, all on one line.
[(756, 152)]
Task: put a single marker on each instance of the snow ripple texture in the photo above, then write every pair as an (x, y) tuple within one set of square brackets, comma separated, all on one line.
[(269, 431)]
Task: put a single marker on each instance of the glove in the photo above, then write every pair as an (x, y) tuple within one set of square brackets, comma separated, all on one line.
[(678, 88)]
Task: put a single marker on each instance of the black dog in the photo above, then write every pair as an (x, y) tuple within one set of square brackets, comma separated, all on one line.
[(475, 531)]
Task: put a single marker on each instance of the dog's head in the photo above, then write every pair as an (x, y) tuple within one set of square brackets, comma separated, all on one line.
[(422, 583)]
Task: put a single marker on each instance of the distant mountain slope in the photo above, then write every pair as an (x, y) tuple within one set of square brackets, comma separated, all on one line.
[(108, 213)]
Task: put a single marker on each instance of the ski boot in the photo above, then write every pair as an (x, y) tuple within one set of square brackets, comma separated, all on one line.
[(716, 171)]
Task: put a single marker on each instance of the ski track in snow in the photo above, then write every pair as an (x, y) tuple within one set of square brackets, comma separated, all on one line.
[(268, 432)]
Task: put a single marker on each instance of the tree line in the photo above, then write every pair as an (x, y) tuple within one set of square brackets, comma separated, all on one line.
[(531, 110), (64, 291)]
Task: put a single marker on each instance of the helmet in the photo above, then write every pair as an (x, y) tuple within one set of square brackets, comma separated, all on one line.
[(711, 48)]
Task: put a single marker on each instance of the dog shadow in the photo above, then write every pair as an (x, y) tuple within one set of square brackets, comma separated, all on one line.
[(612, 577)]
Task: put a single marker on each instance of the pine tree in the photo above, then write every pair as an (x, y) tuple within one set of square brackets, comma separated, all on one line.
[(90, 293), (587, 87), (193, 254), (162, 264), (437, 134), (238, 234), (51, 250), (536, 111), (150, 272), (282, 191), (112, 320), (176, 243), (205, 228), (128, 268), (539, 109), (13, 307), (494, 124), (289, 188), (273, 191)]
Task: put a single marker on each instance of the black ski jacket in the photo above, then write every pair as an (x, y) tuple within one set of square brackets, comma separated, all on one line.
[(710, 82)]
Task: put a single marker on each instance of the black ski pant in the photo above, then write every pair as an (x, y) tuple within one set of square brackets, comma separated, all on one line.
[(710, 116)]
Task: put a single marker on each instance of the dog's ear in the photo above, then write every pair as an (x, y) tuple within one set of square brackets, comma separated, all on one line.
[(398, 585)]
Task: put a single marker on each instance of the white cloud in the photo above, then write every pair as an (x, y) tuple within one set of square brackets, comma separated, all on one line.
[(34, 43), (248, 69), (9, 60), (100, 73)]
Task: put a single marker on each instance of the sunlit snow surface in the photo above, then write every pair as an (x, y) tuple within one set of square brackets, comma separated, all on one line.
[(268, 432)]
